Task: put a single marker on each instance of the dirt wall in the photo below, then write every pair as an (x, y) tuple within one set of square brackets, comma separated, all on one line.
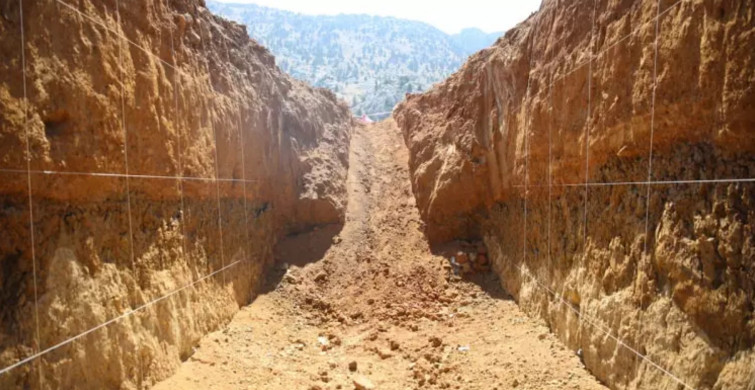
[(611, 179), (166, 154)]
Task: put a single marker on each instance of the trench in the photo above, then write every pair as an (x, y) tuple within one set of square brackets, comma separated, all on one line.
[(154, 157), (371, 303)]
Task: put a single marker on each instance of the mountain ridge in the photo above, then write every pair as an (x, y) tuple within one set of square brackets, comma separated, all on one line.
[(369, 61)]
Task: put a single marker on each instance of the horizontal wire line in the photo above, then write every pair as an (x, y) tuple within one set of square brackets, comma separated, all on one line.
[(229, 180), (132, 176), (116, 319), (640, 183)]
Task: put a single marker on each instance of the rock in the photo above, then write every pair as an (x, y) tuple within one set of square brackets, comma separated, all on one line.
[(353, 366), (321, 277), (291, 279), (436, 341), (462, 257), (384, 354), (362, 383)]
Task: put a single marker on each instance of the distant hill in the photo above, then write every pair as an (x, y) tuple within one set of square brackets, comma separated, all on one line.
[(369, 61), (472, 40)]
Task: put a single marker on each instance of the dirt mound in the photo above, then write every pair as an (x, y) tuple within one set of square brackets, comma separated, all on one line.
[(611, 179)]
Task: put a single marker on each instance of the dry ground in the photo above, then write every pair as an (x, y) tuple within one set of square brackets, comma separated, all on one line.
[(372, 294)]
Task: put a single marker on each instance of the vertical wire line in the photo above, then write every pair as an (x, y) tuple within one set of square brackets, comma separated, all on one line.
[(652, 128), (180, 150), (125, 138), (217, 169), (587, 125), (29, 187), (247, 256)]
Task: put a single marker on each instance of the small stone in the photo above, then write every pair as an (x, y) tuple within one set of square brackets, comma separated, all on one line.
[(322, 276), (394, 345), (353, 366), (515, 383), (436, 341), (384, 354), (462, 257), (362, 383)]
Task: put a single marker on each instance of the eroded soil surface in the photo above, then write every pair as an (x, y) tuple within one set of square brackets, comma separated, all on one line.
[(369, 304)]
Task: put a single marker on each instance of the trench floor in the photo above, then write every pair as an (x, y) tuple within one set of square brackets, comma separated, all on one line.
[(370, 304)]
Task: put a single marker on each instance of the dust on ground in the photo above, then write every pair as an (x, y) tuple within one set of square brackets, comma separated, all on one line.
[(369, 305)]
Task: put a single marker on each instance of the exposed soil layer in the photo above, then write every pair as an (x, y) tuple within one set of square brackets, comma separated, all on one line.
[(604, 152), (150, 156), (372, 294)]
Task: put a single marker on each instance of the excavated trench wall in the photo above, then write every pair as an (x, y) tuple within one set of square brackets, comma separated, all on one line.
[(150, 154), (604, 151)]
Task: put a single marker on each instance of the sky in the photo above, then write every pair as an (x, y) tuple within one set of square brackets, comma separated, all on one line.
[(449, 16)]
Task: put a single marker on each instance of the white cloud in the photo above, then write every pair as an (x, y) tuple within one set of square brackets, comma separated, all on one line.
[(487, 15)]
